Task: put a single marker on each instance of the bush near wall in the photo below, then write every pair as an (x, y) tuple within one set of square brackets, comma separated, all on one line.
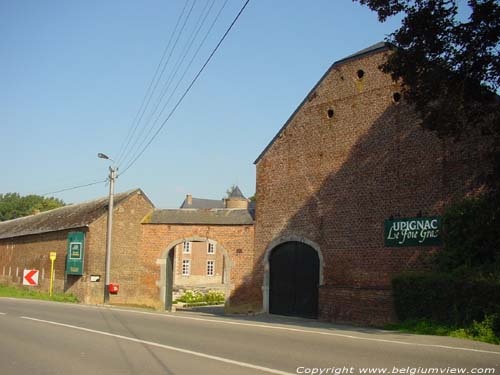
[(445, 299), (471, 233), (463, 289)]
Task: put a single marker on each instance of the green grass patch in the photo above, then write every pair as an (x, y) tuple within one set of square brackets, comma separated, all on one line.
[(15, 292), (479, 331)]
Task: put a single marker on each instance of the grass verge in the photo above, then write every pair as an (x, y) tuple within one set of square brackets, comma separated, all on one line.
[(479, 331), (15, 292)]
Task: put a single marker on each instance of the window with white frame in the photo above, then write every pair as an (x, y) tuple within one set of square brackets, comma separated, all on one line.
[(211, 248), (187, 247), (186, 265), (210, 267)]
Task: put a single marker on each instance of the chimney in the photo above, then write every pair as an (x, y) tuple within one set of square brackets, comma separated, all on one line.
[(189, 199)]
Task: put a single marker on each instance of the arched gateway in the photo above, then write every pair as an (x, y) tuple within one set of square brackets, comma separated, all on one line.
[(294, 278)]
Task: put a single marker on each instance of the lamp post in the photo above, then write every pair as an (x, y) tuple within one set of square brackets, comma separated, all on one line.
[(112, 177)]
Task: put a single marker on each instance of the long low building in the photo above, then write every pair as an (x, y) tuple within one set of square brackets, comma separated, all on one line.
[(77, 234)]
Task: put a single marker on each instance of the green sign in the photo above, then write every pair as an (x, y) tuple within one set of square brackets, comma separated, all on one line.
[(417, 231), (74, 260)]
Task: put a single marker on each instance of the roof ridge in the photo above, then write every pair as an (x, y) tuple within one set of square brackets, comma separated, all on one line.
[(380, 46), (72, 205)]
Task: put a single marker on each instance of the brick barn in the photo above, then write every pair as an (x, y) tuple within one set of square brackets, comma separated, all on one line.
[(25, 243), (351, 159)]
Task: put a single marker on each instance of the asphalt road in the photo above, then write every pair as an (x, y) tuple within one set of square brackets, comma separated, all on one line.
[(38, 337)]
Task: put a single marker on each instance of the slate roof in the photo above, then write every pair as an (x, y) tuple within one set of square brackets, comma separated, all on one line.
[(67, 217), (203, 203), (377, 47), (236, 193), (201, 216)]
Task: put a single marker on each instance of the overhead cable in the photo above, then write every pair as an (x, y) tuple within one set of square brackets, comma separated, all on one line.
[(187, 89)]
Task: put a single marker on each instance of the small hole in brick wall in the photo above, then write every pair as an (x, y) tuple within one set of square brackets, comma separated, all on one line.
[(360, 73), (396, 97), (330, 113), (239, 251)]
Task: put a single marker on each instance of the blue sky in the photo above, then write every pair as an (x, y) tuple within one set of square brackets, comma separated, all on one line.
[(73, 75)]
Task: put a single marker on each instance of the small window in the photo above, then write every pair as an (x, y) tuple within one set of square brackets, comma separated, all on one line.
[(211, 248), (360, 73), (330, 113), (210, 267), (187, 247), (186, 267), (396, 97)]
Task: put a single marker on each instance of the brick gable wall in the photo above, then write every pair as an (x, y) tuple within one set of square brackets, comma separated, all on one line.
[(334, 181)]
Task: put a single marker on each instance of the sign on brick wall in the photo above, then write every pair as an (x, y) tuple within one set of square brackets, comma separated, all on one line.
[(417, 231), (74, 262)]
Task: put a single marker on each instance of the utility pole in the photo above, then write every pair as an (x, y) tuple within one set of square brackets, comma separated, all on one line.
[(112, 177)]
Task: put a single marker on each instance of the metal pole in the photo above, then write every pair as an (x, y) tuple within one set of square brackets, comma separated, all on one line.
[(112, 176), (51, 277)]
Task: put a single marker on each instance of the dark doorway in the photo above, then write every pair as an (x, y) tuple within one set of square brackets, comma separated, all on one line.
[(294, 280), (169, 279)]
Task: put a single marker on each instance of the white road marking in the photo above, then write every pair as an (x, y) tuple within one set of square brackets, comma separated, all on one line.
[(168, 347), (268, 326), (1, 313)]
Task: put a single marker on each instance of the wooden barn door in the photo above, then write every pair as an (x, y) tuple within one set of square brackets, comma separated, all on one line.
[(294, 280)]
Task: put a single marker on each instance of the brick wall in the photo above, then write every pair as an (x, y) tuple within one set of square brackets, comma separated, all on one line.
[(237, 241), (126, 269), (32, 252), (335, 180), (198, 258)]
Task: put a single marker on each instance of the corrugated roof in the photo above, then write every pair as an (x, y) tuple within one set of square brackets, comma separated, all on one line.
[(203, 203), (67, 217), (377, 47), (201, 216)]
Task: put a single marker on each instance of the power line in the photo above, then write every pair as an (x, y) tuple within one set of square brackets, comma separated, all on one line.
[(136, 145), (151, 128), (123, 152), (150, 90), (74, 187), (187, 89)]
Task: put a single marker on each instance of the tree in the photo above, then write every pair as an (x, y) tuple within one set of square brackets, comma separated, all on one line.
[(13, 205), (450, 68)]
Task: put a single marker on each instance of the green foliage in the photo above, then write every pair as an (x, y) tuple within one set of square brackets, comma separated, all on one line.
[(449, 66), (14, 292), (464, 289), (444, 298), (13, 205), (486, 330), (191, 298), (472, 239)]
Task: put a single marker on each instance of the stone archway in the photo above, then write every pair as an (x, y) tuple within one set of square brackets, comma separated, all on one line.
[(279, 244), (164, 263)]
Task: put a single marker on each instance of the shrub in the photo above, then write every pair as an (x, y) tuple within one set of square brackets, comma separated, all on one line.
[(445, 299), (471, 238), (212, 297)]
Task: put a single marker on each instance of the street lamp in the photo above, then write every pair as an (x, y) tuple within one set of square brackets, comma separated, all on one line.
[(112, 177)]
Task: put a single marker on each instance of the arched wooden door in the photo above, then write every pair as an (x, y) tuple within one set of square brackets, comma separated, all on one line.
[(294, 280)]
